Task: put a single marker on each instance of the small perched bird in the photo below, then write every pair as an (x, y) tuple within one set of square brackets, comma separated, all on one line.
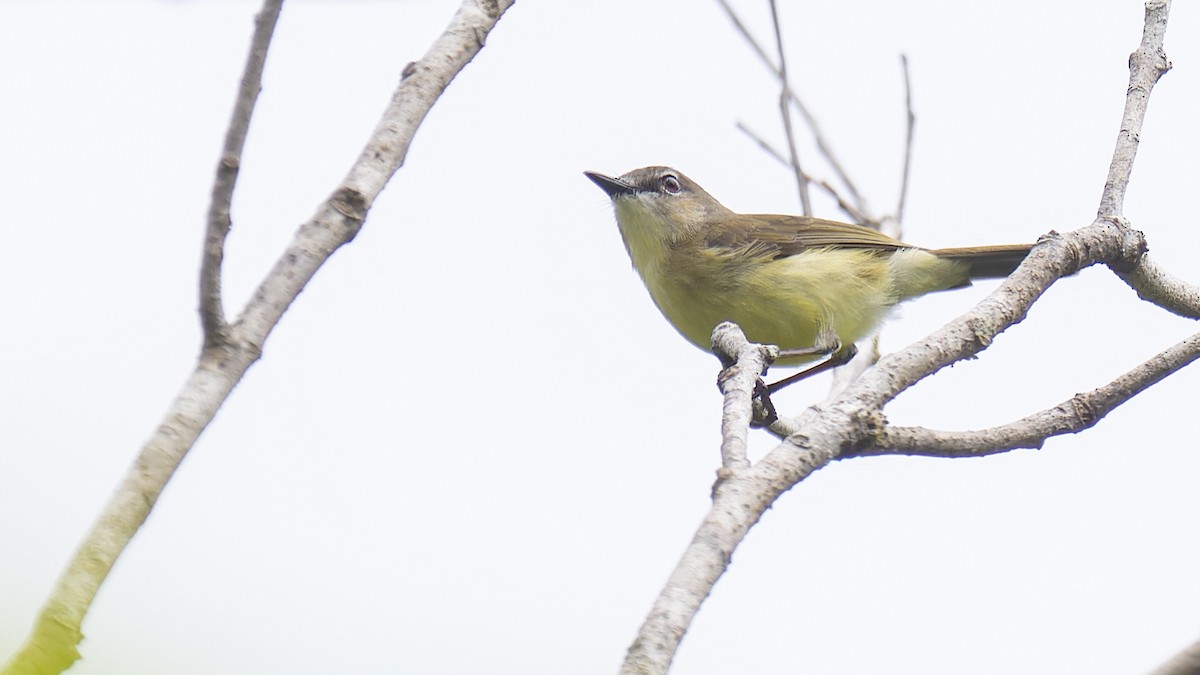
[(811, 287)]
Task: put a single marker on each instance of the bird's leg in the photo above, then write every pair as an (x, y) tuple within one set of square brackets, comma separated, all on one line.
[(827, 343), (838, 358)]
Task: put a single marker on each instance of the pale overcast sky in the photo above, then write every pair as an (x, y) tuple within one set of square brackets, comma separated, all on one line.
[(473, 445)]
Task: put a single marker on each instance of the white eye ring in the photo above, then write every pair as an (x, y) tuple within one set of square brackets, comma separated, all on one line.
[(670, 184)]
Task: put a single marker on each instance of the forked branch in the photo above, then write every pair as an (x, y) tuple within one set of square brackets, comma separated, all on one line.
[(231, 350), (212, 311), (1081, 411)]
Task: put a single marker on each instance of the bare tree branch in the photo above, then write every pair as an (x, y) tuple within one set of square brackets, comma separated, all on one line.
[(1077, 413), (1186, 662), (52, 644), (738, 503), (212, 313), (1146, 66), (1158, 286), (744, 363)]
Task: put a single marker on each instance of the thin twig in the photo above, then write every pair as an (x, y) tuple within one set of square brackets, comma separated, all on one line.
[(849, 209), (910, 126), (785, 111), (763, 144), (212, 311), (822, 144)]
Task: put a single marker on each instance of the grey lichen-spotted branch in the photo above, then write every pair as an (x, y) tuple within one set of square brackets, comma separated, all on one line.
[(1158, 286), (230, 350), (853, 423), (1073, 415)]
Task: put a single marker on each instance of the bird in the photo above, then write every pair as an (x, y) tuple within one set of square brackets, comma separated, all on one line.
[(810, 286)]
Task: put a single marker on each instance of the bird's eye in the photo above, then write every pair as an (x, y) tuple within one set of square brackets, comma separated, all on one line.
[(670, 184)]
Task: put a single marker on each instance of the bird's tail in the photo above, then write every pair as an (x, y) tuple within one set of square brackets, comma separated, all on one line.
[(986, 262)]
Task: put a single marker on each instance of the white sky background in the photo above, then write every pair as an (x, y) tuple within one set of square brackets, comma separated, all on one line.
[(473, 445)]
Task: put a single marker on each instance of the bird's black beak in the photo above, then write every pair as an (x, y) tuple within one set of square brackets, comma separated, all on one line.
[(615, 187)]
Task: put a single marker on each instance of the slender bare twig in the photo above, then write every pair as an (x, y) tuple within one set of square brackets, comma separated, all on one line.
[(849, 209), (52, 644), (910, 127), (822, 144), (785, 111), (1077, 413), (764, 145), (212, 312)]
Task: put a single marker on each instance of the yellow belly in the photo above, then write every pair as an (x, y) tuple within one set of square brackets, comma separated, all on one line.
[(787, 302)]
